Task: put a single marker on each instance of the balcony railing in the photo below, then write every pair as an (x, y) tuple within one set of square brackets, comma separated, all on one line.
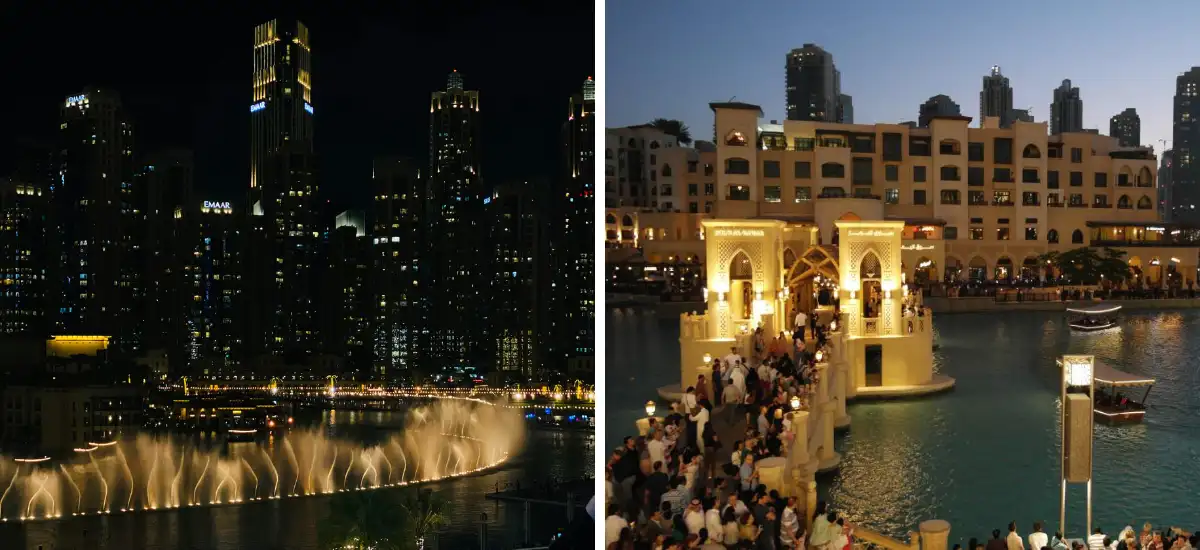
[(1077, 205), (1057, 204), (1002, 203), (1102, 205), (954, 202)]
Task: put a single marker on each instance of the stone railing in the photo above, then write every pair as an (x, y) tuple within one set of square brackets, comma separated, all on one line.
[(693, 326)]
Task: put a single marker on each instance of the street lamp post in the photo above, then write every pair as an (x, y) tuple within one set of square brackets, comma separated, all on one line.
[(1077, 435)]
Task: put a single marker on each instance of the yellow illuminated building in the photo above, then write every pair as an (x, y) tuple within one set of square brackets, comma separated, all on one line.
[(70, 346)]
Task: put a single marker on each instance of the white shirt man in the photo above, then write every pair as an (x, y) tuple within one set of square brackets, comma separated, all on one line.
[(689, 401), (612, 527), (658, 449), (700, 418), (801, 320), (712, 522), (1038, 539), (1096, 540), (738, 379), (733, 358), (693, 518)]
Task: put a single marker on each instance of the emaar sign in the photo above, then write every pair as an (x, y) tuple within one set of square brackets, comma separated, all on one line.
[(217, 205)]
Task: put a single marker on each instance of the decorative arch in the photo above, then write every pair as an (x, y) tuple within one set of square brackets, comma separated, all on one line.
[(1124, 202), (1145, 178), (1145, 203), (610, 219), (925, 271), (654, 144), (789, 258), (666, 170), (1031, 152), (869, 267), (801, 276), (1052, 236), (1004, 269), (1030, 268), (627, 221), (1077, 237), (953, 269), (977, 269), (735, 138), (1125, 177)]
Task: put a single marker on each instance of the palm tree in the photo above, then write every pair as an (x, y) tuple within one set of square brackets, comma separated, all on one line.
[(381, 520), (673, 128)]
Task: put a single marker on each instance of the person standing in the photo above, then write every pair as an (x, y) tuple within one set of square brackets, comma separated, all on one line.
[(1096, 540), (801, 322), (702, 389), (1038, 539), (1013, 541), (716, 380)]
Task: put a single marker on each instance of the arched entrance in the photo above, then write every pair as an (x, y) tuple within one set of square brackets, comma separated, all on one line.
[(925, 271), (1029, 269), (812, 279), (953, 269), (1137, 279), (977, 269), (1004, 269), (869, 275), (741, 285)]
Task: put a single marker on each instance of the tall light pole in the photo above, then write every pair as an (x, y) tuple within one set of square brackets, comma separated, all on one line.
[(1077, 419)]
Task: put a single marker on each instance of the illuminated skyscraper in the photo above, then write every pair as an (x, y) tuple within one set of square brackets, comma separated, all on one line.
[(572, 236), (996, 98), (456, 216), (23, 257), (399, 241), (285, 231), (514, 228), (93, 217)]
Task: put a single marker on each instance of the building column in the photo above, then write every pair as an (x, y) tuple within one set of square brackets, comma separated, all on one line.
[(934, 534)]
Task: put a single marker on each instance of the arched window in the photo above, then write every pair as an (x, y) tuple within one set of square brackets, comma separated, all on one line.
[(1031, 152), (1077, 237), (1052, 236), (654, 145), (610, 219), (627, 221), (632, 143), (1145, 178), (737, 166), (1123, 202), (666, 170), (735, 138), (1145, 203)]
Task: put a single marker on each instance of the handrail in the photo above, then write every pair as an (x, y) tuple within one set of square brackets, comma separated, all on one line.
[(878, 540)]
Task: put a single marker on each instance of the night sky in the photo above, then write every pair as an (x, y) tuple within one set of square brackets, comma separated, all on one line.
[(185, 78), (664, 61)]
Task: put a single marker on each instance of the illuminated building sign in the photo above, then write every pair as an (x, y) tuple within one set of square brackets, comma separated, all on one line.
[(740, 233), (917, 247), (308, 108), (258, 106), (77, 100), (871, 233), (217, 207)]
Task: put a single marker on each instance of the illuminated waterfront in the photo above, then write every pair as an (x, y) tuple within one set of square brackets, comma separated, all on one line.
[(293, 522), (988, 452)]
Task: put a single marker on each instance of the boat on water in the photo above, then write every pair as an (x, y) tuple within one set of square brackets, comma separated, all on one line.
[(1093, 318), (1111, 402)]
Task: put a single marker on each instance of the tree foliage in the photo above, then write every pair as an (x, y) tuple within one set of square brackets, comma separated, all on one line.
[(1085, 265), (385, 519), (673, 128)]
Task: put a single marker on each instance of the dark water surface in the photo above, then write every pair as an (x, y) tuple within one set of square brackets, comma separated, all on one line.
[(988, 452), (293, 523)]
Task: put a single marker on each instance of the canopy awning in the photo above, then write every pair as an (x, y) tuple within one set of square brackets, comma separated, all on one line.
[(1105, 374), (1098, 309)]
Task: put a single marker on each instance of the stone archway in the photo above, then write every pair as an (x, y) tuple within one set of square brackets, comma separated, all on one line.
[(977, 269), (812, 279), (954, 269), (1004, 269), (925, 271), (741, 285), (1030, 270)]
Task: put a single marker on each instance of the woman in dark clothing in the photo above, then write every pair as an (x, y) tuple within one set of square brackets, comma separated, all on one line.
[(716, 381)]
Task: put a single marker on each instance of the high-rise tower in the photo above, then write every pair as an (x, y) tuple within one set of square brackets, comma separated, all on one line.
[(1066, 111), (936, 106), (1126, 126), (456, 212), (1185, 140), (996, 98), (572, 240), (399, 236), (285, 228), (813, 85), (92, 217)]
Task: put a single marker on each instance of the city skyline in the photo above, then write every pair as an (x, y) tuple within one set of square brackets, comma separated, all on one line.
[(940, 49), (361, 111)]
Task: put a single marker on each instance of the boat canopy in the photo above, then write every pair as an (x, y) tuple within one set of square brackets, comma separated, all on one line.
[(1105, 374), (1098, 309)]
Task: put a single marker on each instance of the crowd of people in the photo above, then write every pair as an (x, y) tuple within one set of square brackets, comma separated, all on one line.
[(1128, 538), (680, 485)]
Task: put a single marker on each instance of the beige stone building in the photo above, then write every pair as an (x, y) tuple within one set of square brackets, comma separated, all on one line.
[(977, 203)]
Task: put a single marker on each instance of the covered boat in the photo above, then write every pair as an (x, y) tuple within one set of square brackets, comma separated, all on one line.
[(1111, 402), (1093, 318)]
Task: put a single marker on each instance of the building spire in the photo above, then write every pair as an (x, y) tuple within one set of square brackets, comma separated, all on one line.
[(455, 81)]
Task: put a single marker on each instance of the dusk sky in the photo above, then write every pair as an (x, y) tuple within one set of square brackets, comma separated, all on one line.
[(665, 60)]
